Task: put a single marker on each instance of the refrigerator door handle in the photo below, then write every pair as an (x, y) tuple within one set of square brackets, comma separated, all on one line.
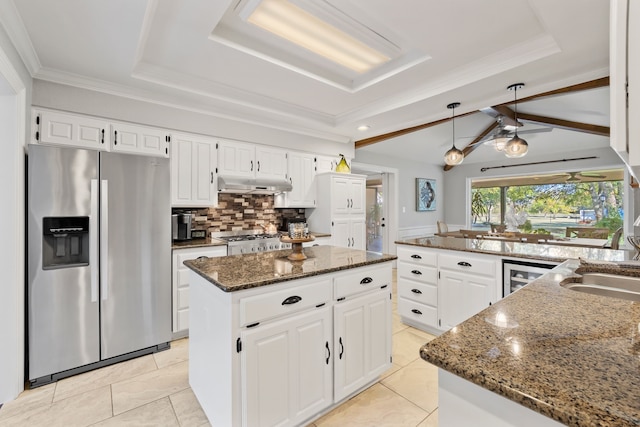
[(93, 241), (104, 239)]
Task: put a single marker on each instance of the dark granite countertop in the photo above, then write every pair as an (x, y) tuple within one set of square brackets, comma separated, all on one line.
[(197, 243), (201, 243), (536, 251), (237, 272), (571, 356)]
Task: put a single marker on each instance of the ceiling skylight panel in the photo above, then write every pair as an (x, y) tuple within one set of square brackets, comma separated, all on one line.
[(298, 26)]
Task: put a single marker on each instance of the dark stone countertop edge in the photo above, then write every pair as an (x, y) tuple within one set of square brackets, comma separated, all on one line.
[(203, 243), (275, 280), (558, 259)]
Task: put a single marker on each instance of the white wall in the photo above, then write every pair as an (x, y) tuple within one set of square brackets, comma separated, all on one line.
[(410, 221), (84, 101), (15, 95), (457, 200)]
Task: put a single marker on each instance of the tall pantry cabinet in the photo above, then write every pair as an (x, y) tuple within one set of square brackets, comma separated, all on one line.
[(340, 209)]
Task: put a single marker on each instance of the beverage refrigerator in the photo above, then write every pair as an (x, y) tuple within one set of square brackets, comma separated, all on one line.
[(99, 259), (517, 274)]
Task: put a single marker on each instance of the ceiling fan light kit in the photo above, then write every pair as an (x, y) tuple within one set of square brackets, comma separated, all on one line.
[(516, 147), (454, 156)]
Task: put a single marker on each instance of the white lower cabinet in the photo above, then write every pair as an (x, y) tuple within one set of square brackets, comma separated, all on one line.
[(280, 355), (180, 283), (349, 232), (461, 295), (288, 369), (361, 343), (438, 289)]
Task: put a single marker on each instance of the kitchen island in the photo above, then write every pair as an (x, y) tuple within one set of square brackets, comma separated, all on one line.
[(544, 353), (280, 342)]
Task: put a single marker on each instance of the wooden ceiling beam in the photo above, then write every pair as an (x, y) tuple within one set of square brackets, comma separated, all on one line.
[(474, 144), (565, 124), (592, 84)]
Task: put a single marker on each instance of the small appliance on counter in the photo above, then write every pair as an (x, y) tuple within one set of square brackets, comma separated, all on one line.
[(181, 226), (286, 221)]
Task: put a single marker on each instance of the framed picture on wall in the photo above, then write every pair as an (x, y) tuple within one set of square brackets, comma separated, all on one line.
[(425, 194)]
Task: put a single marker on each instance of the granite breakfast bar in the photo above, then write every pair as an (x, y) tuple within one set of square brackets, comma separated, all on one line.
[(545, 355), (280, 342)]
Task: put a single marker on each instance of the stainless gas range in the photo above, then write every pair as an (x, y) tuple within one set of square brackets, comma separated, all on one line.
[(250, 241)]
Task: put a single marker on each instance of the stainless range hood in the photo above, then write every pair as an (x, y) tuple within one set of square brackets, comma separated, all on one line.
[(231, 184)]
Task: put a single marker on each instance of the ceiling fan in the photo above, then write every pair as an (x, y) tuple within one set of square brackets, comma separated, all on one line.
[(504, 132), (573, 177)]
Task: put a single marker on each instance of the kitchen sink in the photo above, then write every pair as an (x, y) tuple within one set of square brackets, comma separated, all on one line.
[(608, 285)]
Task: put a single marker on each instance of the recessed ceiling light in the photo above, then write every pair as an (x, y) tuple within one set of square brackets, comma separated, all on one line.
[(363, 127), (292, 23)]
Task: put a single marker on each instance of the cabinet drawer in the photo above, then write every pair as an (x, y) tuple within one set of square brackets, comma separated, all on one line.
[(467, 264), (421, 273), (418, 292), (361, 280), (279, 303), (419, 313), (417, 255)]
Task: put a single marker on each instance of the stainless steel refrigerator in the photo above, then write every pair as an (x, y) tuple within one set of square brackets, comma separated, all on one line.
[(99, 259)]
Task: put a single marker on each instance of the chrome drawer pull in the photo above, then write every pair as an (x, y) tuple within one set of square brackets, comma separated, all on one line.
[(292, 300), (416, 272), (464, 264), (416, 311), (416, 291), (416, 257), (366, 280)]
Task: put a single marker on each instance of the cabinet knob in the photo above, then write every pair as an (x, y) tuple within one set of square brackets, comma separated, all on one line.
[(416, 291), (326, 345), (418, 272), (341, 348), (464, 264), (366, 280), (416, 256), (416, 311), (251, 165)]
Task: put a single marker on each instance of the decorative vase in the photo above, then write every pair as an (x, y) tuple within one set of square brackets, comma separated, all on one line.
[(343, 166)]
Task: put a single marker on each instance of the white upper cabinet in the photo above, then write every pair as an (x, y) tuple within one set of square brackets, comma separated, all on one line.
[(624, 75), (271, 163), (136, 139), (236, 159), (71, 129), (325, 164), (347, 194), (243, 159), (301, 175), (193, 166)]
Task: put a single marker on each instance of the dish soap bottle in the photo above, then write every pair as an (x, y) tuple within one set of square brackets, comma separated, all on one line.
[(343, 166)]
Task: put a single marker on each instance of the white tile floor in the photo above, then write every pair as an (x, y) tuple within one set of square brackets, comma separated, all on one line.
[(154, 391)]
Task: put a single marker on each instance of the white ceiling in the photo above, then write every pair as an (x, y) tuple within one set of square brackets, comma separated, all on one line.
[(199, 55)]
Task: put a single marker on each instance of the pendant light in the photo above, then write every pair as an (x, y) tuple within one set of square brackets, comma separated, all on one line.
[(516, 147), (453, 156)]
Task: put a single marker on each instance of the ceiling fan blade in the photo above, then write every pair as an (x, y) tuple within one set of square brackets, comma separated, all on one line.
[(541, 130)]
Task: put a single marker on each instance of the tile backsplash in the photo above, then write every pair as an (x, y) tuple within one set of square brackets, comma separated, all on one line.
[(240, 212)]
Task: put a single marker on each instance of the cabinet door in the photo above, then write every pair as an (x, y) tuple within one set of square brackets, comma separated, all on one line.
[(236, 159), (180, 282), (341, 232), (340, 195), (72, 130), (362, 341), (357, 195), (271, 163), (301, 174), (461, 296), (287, 369), (193, 163), (134, 139), (325, 164), (358, 234)]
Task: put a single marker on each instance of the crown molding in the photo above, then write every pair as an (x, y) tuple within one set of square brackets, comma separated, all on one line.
[(12, 22), (222, 110)]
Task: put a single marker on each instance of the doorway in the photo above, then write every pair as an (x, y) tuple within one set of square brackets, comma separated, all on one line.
[(381, 206)]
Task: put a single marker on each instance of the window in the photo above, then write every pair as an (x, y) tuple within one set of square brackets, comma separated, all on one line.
[(549, 203)]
